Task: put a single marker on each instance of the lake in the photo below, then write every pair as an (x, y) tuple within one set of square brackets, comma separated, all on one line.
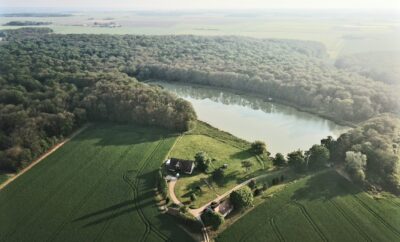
[(283, 128)]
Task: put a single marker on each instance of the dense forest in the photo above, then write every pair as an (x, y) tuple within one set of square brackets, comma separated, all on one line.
[(26, 23), (371, 152), (382, 66), (295, 72), (47, 90)]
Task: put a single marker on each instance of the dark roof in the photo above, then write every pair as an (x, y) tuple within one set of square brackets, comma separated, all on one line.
[(180, 165)]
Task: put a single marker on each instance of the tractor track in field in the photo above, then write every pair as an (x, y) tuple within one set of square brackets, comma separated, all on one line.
[(88, 195), (393, 202), (310, 220), (135, 192), (277, 233), (376, 215), (58, 189), (276, 230), (353, 224)]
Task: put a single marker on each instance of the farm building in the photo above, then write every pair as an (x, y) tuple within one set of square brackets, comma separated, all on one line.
[(225, 207), (179, 165)]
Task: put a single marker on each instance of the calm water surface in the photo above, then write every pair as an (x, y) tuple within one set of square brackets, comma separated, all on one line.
[(283, 128)]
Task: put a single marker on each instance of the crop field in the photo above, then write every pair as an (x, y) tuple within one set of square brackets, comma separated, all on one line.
[(222, 147), (99, 186), (3, 178), (322, 207)]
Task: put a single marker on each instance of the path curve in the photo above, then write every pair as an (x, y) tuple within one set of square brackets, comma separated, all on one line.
[(42, 157), (196, 212)]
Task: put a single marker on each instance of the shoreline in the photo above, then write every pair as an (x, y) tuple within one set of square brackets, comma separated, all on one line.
[(274, 101)]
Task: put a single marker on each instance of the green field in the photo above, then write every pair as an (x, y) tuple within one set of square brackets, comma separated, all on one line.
[(224, 148), (321, 207), (3, 178), (99, 186)]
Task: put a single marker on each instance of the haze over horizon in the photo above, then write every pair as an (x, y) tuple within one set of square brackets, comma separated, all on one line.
[(171, 5)]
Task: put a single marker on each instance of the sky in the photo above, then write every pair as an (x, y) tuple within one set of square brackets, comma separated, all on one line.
[(198, 4)]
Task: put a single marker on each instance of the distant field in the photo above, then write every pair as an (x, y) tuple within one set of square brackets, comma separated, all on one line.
[(323, 207), (97, 187), (342, 33), (224, 148)]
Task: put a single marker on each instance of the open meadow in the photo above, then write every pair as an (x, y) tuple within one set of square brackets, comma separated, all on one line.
[(320, 207), (97, 187), (225, 149)]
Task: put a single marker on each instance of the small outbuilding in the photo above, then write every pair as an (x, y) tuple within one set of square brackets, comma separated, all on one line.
[(224, 207), (180, 165)]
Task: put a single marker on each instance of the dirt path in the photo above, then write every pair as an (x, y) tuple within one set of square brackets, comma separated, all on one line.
[(49, 152), (171, 190), (196, 212)]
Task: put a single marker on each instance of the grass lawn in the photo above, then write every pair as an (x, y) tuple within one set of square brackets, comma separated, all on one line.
[(221, 146), (320, 207), (99, 186)]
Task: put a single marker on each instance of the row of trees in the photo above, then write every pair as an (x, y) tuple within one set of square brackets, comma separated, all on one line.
[(48, 89)]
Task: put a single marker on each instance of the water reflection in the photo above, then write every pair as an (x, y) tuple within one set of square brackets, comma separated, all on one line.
[(283, 128)]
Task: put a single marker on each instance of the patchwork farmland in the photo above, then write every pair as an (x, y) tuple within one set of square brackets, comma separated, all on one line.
[(322, 207), (99, 186)]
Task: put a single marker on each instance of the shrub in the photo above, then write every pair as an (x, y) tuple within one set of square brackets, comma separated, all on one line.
[(252, 184), (242, 198), (279, 160), (193, 197), (258, 192), (213, 219), (183, 209), (218, 174), (202, 161), (259, 147)]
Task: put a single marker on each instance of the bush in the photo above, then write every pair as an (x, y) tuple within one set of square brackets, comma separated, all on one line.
[(218, 174), (242, 198), (265, 186), (202, 161), (259, 147), (213, 219), (252, 184), (279, 160), (193, 197), (258, 192), (183, 209)]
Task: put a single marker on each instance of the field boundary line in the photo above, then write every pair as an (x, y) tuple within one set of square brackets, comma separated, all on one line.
[(310, 220), (42, 157), (352, 223), (135, 189), (376, 215)]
